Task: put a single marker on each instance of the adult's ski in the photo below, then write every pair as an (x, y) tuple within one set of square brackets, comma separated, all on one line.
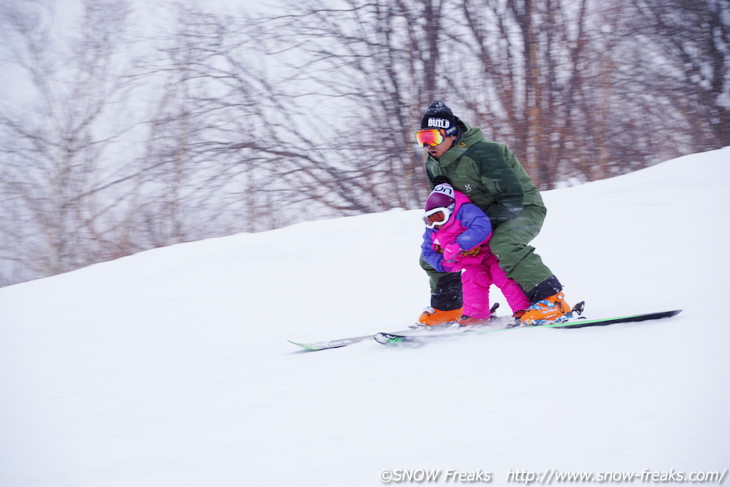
[(386, 338), (344, 342), (337, 342)]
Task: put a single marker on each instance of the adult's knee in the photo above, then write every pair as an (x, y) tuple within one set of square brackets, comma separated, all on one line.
[(505, 244)]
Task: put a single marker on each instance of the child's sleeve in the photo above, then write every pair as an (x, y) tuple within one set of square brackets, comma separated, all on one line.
[(431, 256), (477, 224)]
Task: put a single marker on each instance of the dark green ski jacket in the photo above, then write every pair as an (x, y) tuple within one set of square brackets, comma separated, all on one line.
[(489, 174)]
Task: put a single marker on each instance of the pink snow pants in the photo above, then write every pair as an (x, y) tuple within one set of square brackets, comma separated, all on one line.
[(479, 273)]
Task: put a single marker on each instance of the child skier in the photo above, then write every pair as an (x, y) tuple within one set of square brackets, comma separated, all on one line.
[(456, 239)]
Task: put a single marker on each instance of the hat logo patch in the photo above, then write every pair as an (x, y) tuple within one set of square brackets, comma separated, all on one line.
[(444, 189), (438, 122)]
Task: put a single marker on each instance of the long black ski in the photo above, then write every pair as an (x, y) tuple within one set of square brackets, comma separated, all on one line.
[(386, 338)]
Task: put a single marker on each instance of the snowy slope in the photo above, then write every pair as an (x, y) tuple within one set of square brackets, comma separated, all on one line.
[(171, 367)]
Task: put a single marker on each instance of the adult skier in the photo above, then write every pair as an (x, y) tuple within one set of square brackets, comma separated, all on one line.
[(495, 181)]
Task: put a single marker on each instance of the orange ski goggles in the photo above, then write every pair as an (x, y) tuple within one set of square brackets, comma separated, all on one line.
[(430, 137)]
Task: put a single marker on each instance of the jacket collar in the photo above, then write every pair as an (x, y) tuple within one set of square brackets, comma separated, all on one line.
[(469, 137)]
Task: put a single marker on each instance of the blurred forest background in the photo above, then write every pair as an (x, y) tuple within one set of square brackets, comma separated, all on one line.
[(129, 128)]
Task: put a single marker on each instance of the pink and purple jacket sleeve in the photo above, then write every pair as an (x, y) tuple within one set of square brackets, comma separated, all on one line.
[(477, 224)]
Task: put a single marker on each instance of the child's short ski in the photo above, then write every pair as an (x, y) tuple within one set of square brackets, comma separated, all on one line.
[(395, 338)]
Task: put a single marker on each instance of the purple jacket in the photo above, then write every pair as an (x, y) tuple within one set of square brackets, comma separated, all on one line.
[(468, 226)]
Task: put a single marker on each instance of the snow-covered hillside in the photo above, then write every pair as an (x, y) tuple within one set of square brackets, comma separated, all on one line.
[(171, 367)]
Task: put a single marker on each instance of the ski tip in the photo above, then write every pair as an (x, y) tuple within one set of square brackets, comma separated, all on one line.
[(305, 346), (664, 314)]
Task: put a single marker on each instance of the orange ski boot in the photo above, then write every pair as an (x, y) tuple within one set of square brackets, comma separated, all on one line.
[(553, 309), (471, 321), (436, 317)]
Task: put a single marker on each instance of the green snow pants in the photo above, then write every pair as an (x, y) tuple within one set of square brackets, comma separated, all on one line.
[(510, 244)]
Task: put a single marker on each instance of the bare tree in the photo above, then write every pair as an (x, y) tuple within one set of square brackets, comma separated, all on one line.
[(217, 151), (57, 180), (374, 66), (521, 77), (683, 60)]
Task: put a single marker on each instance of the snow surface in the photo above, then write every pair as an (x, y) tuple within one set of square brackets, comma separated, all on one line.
[(172, 367)]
